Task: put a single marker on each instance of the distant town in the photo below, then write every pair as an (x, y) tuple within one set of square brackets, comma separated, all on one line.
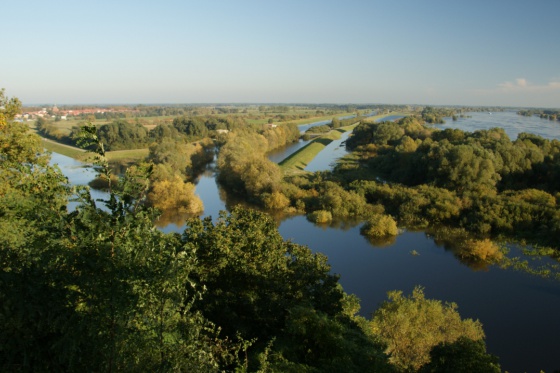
[(64, 114)]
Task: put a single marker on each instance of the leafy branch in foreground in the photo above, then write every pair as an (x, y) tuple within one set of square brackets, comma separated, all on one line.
[(131, 189)]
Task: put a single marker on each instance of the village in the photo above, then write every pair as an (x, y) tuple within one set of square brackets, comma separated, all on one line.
[(56, 113)]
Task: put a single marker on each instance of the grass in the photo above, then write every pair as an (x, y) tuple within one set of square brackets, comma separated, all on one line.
[(124, 157), (376, 117), (296, 162), (300, 159), (313, 118), (69, 151), (127, 156), (318, 119)]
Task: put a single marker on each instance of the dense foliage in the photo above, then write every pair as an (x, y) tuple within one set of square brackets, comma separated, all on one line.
[(100, 289), (245, 169), (481, 181), (122, 135), (277, 294), (412, 326), (435, 115)]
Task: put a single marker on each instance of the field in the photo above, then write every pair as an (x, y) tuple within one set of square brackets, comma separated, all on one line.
[(127, 156)]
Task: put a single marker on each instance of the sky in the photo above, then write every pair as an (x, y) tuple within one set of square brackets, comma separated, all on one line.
[(427, 52)]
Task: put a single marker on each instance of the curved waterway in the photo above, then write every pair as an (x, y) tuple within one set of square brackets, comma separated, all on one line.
[(518, 310)]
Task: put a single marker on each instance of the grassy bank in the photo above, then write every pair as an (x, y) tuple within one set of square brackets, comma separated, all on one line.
[(297, 161), (127, 156), (117, 157), (69, 151), (376, 117), (319, 119)]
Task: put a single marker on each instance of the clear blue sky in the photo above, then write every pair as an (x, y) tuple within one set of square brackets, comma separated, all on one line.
[(290, 51)]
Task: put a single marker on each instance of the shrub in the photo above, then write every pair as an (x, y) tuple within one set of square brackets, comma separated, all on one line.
[(175, 194), (275, 200), (320, 216), (412, 326), (480, 250), (380, 226)]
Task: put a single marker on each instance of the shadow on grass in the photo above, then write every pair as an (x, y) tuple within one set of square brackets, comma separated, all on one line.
[(323, 141)]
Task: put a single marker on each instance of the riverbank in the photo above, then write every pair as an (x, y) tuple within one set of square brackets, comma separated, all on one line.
[(67, 150), (304, 121), (297, 162), (118, 157), (376, 118)]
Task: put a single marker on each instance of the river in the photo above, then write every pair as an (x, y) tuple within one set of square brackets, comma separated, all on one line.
[(518, 311), (328, 156), (510, 121)]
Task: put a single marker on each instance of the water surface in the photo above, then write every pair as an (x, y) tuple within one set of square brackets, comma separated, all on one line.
[(327, 157), (77, 173), (510, 121)]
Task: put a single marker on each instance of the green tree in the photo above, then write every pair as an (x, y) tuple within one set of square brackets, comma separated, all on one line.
[(175, 194), (335, 123), (279, 295), (412, 326), (122, 135), (95, 289), (194, 128), (462, 356), (244, 168), (32, 207)]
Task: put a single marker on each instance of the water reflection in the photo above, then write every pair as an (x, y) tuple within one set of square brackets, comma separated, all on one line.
[(279, 154), (478, 255), (173, 220), (381, 242), (487, 295)]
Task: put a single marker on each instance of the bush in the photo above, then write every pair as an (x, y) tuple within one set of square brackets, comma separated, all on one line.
[(412, 326), (320, 216), (380, 226), (480, 250), (175, 194), (275, 201)]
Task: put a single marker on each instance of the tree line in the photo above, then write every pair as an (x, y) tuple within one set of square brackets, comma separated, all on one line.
[(549, 114)]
